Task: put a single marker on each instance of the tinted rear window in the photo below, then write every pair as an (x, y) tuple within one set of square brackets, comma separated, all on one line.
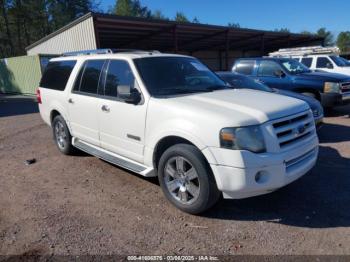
[(322, 62), (89, 76), (307, 61), (245, 67), (56, 75)]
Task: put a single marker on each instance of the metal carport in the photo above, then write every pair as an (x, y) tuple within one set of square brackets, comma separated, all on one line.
[(215, 45)]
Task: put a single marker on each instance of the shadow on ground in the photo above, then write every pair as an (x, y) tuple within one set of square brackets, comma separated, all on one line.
[(320, 199), (342, 111), (12, 105), (334, 133)]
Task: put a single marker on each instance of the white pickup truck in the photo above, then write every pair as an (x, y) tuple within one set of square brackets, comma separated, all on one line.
[(169, 116)]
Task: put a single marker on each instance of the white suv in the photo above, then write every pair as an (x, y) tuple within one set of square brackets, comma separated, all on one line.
[(169, 116), (328, 63)]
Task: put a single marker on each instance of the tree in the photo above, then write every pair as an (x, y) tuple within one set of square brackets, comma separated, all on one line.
[(282, 30), (305, 32), (343, 41), (234, 25), (131, 8), (65, 11), (180, 17), (195, 20), (157, 14), (327, 35), (23, 22), (4, 12)]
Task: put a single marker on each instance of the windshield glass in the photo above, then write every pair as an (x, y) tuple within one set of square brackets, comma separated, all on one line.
[(240, 82), (339, 61), (294, 67), (165, 76)]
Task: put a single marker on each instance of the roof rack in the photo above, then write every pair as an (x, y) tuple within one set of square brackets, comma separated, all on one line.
[(108, 51), (303, 51)]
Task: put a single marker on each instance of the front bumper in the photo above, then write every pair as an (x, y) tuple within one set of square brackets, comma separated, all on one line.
[(331, 99), (319, 122), (236, 171)]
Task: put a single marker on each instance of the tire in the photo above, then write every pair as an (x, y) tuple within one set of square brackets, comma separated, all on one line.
[(192, 192), (310, 94), (62, 136)]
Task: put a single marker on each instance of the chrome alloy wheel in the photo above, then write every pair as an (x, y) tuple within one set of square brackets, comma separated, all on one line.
[(60, 134), (181, 180)]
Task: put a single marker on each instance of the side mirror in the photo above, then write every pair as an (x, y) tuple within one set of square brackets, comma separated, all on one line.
[(329, 66), (279, 73), (129, 94)]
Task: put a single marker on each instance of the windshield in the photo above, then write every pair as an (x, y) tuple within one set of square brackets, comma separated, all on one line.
[(339, 61), (240, 82), (164, 76), (294, 67)]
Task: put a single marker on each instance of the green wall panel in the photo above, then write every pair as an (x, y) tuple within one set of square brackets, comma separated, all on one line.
[(20, 74)]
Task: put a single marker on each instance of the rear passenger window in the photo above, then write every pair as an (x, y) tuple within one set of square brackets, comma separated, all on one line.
[(245, 67), (119, 73), (268, 68), (56, 75), (89, 76), (323, 62), (307, 61)]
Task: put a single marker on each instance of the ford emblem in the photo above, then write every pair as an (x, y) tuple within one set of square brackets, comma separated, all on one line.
[(301, 129)]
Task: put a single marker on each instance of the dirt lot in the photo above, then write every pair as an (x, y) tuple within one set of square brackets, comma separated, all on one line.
[(82, 205)]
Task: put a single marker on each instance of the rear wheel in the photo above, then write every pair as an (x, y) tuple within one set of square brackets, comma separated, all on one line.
[(186, 179), (62, 136)]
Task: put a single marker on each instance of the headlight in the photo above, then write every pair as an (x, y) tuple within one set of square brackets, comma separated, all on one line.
[(331, 87), (243, 138)]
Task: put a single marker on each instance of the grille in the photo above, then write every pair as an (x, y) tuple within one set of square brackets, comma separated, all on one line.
[(294, 129), (316, 113), (345, 87)]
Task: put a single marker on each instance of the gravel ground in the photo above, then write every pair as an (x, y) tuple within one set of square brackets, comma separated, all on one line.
[(81, 205)]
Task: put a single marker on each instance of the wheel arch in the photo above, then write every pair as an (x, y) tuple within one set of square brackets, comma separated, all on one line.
[(167, 141), (309, 90)]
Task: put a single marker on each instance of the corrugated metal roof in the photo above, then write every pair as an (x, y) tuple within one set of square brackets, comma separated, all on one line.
[(112, 31)]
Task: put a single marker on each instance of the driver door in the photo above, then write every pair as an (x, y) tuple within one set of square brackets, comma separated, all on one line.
[(122, 125), (266, 74)]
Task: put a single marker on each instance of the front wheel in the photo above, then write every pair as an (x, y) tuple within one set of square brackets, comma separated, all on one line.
[(186, 179)]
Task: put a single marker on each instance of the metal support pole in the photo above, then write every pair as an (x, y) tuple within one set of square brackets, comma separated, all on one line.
[(220, 60), (227, 47), (175, 39), (262, 47)]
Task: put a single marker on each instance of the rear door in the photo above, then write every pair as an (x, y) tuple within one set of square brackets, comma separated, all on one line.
[(325, 64), (122, 125), (266, 74), (244, 67), (307, 61), (83, 102)]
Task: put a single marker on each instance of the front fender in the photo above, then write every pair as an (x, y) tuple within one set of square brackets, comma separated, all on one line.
[(167, 129)]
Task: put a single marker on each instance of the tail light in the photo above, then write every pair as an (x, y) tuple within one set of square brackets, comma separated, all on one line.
[(38, 96)]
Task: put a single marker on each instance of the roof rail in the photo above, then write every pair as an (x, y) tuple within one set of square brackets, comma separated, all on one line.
[(89, 52), (107, 51)]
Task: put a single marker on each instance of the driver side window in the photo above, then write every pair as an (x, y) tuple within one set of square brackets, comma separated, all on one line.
[(119, 73), (268, 68)]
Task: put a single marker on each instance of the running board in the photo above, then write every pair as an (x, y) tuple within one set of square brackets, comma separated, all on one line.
[(112, 158)]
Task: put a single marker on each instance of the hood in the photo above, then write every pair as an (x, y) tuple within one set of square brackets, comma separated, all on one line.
[(237, 107), (312, 102), (323, 76)]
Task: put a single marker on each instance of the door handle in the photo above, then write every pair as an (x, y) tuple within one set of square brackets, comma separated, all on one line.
[(105, 108), (70, 100)]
